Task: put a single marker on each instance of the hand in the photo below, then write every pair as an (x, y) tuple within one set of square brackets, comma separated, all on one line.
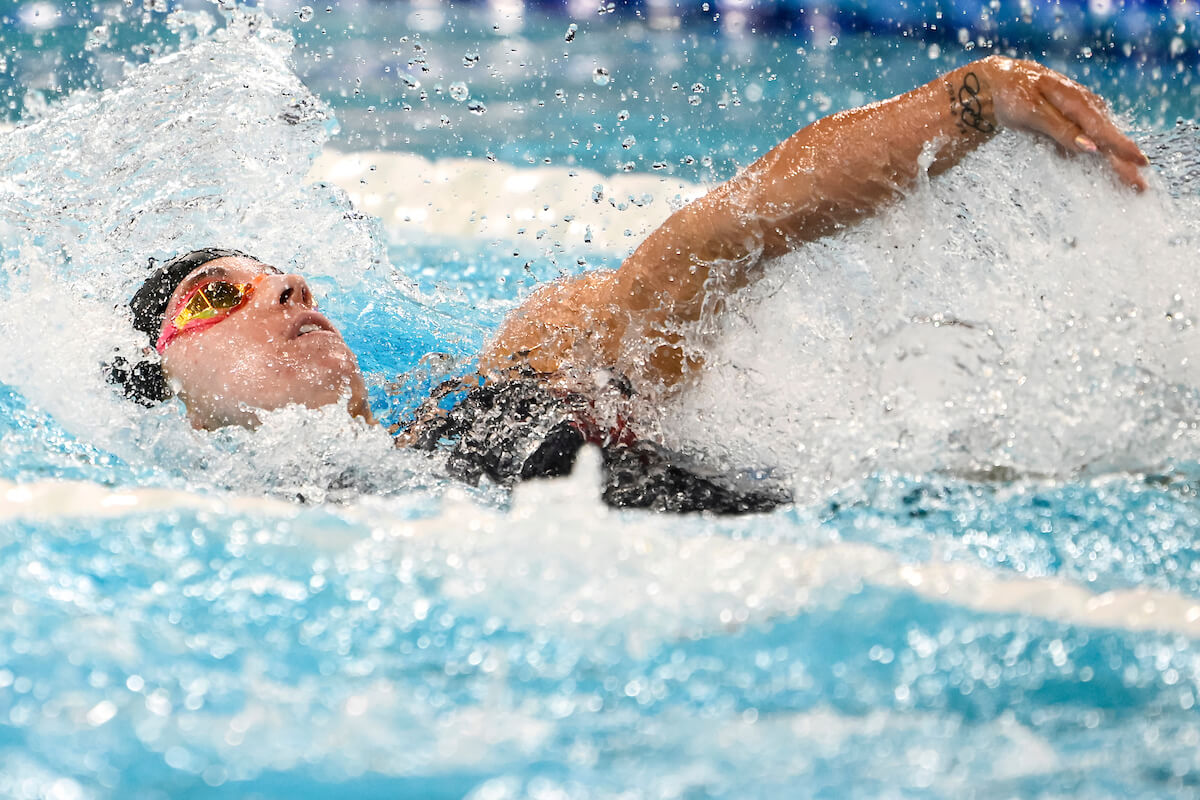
[(1028, 96)]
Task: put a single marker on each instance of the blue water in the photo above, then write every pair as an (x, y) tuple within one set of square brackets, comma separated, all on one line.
[(304, 611)]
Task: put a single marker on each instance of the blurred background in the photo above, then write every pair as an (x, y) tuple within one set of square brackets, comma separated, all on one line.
[(619, 86)]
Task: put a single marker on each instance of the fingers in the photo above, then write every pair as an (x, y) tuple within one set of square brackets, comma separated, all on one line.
[(1069, 136), (1078, 121), (1129, 172), (1088, 112), (1030, 96)]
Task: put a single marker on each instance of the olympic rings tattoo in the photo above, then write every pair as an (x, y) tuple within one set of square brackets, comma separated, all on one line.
[(969, 106)]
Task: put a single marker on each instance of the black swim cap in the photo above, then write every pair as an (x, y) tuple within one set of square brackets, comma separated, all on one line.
[(144, 381)]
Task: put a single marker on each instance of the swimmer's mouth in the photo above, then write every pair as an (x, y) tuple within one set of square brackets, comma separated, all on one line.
[(311, 322)]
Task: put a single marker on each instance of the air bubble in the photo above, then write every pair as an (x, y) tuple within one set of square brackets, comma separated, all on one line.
[(470, 59), (570, 37), (600, 76), (833, 40), (305, 13), (623, 115), (459, 91), (476, 107), (628, 142)]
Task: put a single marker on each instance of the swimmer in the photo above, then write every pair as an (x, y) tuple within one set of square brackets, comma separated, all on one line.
[(231, 335)]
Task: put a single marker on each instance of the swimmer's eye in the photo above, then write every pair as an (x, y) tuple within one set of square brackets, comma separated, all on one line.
[(212, 301)]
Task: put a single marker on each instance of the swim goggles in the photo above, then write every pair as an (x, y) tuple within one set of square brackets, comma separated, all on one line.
[(205, 306)]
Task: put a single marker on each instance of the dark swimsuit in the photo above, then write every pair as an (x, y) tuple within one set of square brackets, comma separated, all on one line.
[(520, 428)]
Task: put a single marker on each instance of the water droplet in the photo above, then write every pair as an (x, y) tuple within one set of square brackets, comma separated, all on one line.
[(459, 91), (833, 40), (623, 115), (694, 99), (470, 59), (934, 51), (409, 81), (305, 13), (628, 142), (476, 107), (98, 37), (570, 37), (699, 88), (600, 76)]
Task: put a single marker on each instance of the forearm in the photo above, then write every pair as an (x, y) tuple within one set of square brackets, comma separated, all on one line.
[(847, 166), (826, 176)]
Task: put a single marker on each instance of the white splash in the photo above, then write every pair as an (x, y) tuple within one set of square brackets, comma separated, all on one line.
[(1020, 312)]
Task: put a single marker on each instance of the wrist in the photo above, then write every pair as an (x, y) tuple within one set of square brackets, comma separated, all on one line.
[(970, 94)]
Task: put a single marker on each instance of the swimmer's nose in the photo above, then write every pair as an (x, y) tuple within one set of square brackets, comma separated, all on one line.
[(295, 291)]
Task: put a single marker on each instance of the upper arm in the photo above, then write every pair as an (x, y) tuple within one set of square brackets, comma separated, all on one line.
[(633, 319), (561, 325)]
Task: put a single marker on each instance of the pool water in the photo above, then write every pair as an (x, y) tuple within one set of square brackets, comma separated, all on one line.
[(989, 585)]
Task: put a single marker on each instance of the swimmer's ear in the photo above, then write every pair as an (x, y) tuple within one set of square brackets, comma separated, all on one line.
[(142, 381)]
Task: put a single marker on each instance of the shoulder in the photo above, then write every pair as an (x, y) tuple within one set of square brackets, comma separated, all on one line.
[(567, 323)]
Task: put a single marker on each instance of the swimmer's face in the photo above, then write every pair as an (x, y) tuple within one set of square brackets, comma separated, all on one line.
[(273, 350)]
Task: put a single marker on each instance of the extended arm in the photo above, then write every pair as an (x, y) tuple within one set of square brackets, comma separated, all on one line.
[(833, 173)]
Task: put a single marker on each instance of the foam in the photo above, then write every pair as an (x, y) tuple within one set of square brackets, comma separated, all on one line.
[(1021, 311)]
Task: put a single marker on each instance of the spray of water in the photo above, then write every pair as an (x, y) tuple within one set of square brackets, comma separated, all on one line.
[(1022, 313)]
